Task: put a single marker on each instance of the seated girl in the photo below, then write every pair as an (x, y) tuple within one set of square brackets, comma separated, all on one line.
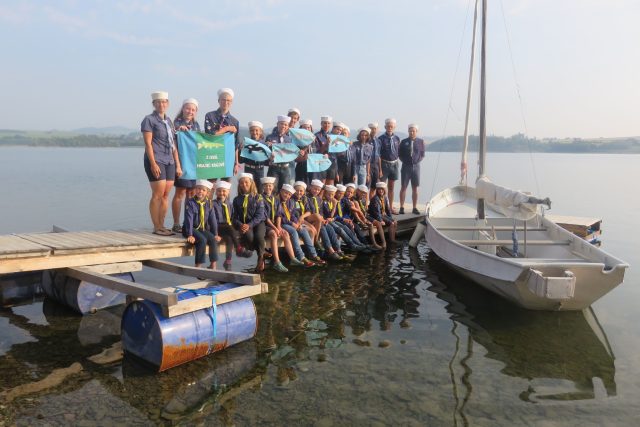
[(379, 210), (248, 217), (200, 225)]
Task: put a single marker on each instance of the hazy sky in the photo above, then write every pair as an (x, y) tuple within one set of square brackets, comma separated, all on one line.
[(71, 64)]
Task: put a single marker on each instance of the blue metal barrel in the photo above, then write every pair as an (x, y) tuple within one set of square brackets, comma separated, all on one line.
[(166, 342), (84, 297)]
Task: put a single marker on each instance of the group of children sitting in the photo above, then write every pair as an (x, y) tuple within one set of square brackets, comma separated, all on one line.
[(325, 217)]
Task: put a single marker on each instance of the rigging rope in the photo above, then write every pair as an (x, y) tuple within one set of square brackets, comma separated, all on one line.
[(517, 84)]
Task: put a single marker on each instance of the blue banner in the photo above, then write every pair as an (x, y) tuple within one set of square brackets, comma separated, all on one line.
[(301, 137), (338, 143), (255, 150), (204, 156), (284, 152), (317, 163)]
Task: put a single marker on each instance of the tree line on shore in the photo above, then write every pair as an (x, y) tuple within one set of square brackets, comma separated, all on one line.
[(518, 143)]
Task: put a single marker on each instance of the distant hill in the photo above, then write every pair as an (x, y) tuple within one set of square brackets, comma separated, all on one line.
[(520, 143), (112, 130)]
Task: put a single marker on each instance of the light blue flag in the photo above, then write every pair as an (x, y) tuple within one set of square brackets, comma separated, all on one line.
[(318, 163), (205, 156), (284, 152), (338, 143), (255, 150), (301, 137)]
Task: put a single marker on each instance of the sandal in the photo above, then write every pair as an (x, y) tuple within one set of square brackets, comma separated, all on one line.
[(162, 232)]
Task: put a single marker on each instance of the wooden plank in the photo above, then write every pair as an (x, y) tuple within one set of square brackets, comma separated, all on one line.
[(115, 268), (573, 220), (16, 265), (204, 301), (13, 244), (510, 242), (221, 276), (139, 290)]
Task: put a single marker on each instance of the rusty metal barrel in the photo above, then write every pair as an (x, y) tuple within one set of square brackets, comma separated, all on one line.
[(165, 342)]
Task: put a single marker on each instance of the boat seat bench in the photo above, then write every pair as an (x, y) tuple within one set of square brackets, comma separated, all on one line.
[(510, 242)]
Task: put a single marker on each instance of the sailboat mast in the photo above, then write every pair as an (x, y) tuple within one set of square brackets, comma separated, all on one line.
[(465, 148), (482, 150)]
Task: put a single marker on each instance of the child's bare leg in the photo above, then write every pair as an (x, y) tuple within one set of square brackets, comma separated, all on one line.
[(273, 239), (288, 247), (392, 231), (213, 265)]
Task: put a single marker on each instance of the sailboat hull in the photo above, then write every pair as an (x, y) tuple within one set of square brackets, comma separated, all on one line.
[(555, 270)]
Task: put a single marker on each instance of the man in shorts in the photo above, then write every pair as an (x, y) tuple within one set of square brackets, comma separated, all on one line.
[(411, 152), (390, 162)]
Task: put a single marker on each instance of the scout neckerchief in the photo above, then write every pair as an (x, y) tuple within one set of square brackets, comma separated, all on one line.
[(169, 133), (272, 202), (300, 203), (286, 211), (245, 203), (382, 210), (339, 206), (330, 208), (201, 222), (315, 203), (362, 206), (226, 212)]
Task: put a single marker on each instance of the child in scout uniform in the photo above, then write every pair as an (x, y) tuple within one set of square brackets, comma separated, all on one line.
[(224, 214), (248, 217), (256, 132), (315, 207), (290, 221), (184, 188), (282, 171), (345, 217), (273, 227), (363, 204), (358, 214), (200, 224), (380, 211), (330, 243), (329, 210)]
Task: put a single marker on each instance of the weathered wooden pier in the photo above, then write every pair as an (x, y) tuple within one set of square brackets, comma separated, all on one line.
[(91, 270)]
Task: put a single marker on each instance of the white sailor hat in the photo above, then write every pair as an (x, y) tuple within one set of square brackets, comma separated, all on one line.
[(245, 175), (317, 183), (346, 128), (373, 125), (204, 183), (288, 188), (268, 180), (285, 119), (363, 187), (364, 130), (341, 188), (225, 90), (159, 95), (381, 184), (413, 125), (300, 184), (351, 184), (330, 188), (255, 123), (191, 101), (326, 119), (223, 184), (390, 121), (307, 122), (294, 110), (338, 125)]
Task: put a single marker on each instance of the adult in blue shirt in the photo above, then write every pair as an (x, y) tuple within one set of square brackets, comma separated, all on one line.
[(321, 146), (161, 162), (221, 121), (411, 153), (389, 143)]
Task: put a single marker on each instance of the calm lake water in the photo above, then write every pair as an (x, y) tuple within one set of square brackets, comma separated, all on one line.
[(395, 338)]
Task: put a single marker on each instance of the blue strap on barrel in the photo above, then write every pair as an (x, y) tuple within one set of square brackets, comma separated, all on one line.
[(213, 310)]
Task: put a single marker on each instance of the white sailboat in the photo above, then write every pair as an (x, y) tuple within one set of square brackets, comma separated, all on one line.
[(500, 239)]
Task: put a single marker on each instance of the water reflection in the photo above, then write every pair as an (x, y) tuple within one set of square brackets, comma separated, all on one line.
[(563, 356)]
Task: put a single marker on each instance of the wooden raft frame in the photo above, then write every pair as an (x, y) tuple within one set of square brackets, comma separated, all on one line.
[(250, 284)]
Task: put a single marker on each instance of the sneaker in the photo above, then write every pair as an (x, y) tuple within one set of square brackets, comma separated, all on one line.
[(176, 228), (318, 260), (280, 268), (243, 252), (333, 256), (401, 211), (294, 262), (306, 262), (415, 211)]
